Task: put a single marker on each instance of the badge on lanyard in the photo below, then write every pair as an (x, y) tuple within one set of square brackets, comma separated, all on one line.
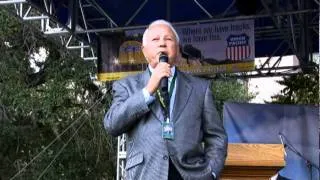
[(167, 130)]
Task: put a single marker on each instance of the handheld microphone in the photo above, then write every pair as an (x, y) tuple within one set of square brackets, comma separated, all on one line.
[(164, 81)]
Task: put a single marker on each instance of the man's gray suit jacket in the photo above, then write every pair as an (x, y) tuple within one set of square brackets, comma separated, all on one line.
[(200, 142)]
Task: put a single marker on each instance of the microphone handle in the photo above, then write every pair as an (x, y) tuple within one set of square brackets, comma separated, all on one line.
[(164, 84), (164, 81)]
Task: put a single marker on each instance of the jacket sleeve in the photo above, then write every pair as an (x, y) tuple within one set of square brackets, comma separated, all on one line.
[(126, 109), (215, 137)]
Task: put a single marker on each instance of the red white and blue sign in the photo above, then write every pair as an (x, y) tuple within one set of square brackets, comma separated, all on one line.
[(238, 47)]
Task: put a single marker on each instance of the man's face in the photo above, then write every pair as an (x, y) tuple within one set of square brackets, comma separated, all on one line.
[(160, 38)]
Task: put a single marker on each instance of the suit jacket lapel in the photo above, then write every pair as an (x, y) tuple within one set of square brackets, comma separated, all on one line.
[(155, 106), (183, 92)]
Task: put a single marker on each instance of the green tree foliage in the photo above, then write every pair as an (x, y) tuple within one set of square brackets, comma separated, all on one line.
[(229, 89), (56, 111), (299, 89)]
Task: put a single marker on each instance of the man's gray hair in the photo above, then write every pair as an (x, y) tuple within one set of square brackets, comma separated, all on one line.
[(157, 22)]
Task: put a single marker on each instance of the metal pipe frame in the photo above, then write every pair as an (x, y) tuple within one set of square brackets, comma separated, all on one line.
[(101, 11), (136, 12), (274, 34), (5, 2), (203, 9), (228, 8), (111, 29), (49, 25), (121, 157), (286, 35)]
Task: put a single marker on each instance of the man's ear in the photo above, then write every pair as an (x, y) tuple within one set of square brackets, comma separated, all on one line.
[(179, 49)]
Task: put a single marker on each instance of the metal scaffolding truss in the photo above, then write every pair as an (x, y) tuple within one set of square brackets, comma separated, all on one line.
[(44, 19), (121, 157), (291, 27)]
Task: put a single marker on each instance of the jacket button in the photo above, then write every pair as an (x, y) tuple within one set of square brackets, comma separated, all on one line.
[(165, 157)]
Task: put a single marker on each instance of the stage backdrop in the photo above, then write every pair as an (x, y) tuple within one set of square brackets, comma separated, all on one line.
[(206, 49), (263, 123)]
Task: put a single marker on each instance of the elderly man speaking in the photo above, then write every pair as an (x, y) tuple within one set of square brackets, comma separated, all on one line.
[(181, 139)]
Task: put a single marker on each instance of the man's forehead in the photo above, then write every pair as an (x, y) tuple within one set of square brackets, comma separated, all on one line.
[(159, 28)]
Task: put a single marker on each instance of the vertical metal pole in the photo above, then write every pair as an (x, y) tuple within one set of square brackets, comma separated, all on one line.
[(293, 32), (305, 36), (81, 49), (118, 158), (21, 10)]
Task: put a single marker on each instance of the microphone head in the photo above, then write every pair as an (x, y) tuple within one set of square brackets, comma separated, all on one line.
[(163, 57)]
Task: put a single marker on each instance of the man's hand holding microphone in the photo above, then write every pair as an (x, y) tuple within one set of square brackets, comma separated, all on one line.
[(160, 75)]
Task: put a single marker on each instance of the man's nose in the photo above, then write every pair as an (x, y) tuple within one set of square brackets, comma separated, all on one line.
[(162, 43)]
